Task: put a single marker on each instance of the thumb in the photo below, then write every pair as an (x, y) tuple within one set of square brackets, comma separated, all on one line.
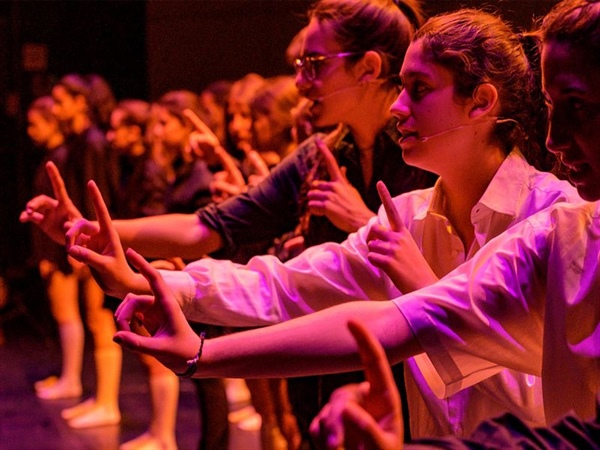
[(258, 163), (344, 170), (136, 343)]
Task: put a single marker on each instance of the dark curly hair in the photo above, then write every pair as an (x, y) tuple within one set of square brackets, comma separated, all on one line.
[(478, 47)]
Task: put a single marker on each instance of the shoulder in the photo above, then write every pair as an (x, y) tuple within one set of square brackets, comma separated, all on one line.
[(545, 183), (568, 225)]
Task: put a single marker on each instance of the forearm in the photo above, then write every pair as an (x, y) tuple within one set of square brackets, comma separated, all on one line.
[(168, 235), (266, 291), (315, 344)]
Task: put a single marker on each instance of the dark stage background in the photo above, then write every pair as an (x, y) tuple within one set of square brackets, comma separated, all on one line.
[(143, 48)]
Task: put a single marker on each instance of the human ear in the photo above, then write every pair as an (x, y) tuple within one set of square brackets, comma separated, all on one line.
[(370, 66), (484, 100)]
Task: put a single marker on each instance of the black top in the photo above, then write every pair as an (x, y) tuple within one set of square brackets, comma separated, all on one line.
[(277, 205)]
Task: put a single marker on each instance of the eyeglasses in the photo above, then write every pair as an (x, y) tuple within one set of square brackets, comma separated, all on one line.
[(309, 64)]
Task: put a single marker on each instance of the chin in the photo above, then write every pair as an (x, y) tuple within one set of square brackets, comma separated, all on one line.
[(320, 121), (410, 154), (589, 193)]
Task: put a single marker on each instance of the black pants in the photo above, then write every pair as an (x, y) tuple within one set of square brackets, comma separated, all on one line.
[(214, 410)]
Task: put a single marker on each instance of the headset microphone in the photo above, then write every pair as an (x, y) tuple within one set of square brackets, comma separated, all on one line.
[(360, 85), (339, 91), (440, 133)]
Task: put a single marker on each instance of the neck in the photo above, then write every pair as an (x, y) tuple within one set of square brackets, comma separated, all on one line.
[(372, 116), (463, 190)]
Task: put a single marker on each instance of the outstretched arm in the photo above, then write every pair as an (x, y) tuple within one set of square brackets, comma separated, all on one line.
[(314, 344), (155, 237), (169, 235)]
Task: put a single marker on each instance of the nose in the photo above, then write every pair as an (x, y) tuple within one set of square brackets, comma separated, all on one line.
[(400, 109), (302, 83)]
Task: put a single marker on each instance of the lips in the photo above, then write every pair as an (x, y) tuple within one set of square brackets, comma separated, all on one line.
[(577, 172), (406, 134)]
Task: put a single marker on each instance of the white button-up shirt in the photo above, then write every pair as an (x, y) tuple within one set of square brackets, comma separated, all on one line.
[(529, 300), (266, 291)]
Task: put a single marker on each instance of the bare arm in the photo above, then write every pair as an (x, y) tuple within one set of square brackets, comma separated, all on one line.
[(169, 235), (314, 344), (155, 237)]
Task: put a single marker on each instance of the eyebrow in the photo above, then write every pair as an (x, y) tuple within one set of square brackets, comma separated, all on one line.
[(574, 90), (411, 74), (568, 85)]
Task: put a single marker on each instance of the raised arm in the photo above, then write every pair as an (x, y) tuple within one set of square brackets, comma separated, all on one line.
[(337, 199), (51, 214), (318, 343)]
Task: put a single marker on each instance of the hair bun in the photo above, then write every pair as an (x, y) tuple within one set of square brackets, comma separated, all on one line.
[(412, 10)]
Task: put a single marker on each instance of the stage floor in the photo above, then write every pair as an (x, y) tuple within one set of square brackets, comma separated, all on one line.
[(30, 352)]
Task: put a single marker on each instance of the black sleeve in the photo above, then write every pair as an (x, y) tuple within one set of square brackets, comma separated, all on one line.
[(266, 211)]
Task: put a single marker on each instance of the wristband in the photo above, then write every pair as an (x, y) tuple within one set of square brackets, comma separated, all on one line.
[(192, 364)]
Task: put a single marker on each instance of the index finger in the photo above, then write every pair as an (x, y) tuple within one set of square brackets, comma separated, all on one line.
[(58, 184), (258, 163), (102, 214), (197, 122), (378, 371), (333, 168), (396, 223), (230, 166)]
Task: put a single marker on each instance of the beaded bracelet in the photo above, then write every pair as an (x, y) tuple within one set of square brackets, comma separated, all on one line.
[(193, 363)]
